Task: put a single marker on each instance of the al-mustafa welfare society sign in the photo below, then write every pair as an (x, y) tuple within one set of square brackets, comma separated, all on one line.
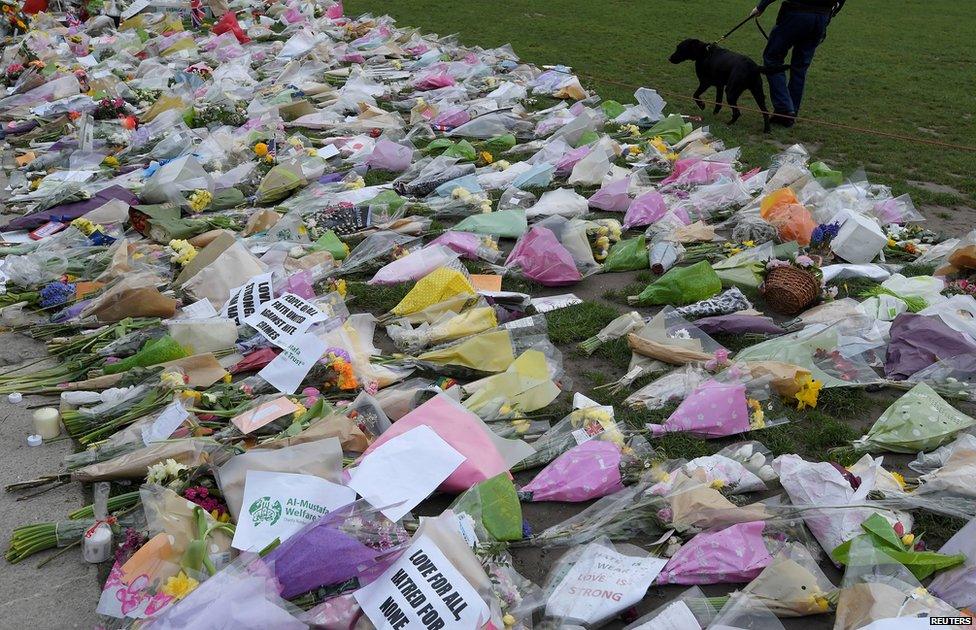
[(276, 505), (423, 591)]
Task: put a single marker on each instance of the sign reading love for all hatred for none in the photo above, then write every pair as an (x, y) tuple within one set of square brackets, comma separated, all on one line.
[(284, 317), (276, 505), (246, 299), (422, 591), (602, 583)]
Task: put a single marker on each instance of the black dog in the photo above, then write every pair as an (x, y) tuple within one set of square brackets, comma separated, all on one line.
[(729, 72)]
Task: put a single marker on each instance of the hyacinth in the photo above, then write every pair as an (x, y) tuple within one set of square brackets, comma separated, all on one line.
[(57, 293), (824, 233)]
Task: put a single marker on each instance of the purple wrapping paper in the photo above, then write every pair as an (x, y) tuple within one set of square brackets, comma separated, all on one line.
[(542, 258), (612, 197), (390, 156), (72, 211), (732, 555), (570, 158), (320, 555), (697, 171), (645, 210), (464, 243), (918, 341), (738, 325), (588, 471), (712, 410)]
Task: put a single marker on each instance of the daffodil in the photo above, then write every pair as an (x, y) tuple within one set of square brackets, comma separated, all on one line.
[(900, 479), (84, 226), (809, 392), (179, 586)]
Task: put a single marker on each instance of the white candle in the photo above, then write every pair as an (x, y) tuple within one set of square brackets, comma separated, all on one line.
[(47, 422), (97, 547)]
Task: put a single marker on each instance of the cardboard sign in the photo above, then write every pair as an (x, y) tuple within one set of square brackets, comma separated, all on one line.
[(168, 420), (254, 419), (422, 591), (283, 318), (245, 300), (276, 505), (482, 282), (286, 372), (602, 583)]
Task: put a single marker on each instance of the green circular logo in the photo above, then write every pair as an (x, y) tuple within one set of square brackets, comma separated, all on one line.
[(264, 510)]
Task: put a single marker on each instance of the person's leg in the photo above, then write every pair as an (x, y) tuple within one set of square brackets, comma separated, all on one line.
[(803, 52), (779, 44)]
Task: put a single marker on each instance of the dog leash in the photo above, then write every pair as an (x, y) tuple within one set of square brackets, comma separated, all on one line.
[(740, 25)]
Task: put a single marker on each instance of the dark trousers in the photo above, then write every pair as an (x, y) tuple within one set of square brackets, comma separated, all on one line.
[(802, 32)]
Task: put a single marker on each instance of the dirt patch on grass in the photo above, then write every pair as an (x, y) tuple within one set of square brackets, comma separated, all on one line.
[(954, 221)]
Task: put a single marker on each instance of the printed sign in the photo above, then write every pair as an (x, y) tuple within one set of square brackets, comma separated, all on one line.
[(248, 298), (276, 505), (602, 583), (285, 317), (286, 372), (422, 591)]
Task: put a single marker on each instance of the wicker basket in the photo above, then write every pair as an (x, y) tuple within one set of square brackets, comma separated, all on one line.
[(790, 290)]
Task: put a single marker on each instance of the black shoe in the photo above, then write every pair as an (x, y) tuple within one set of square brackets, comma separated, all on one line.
[(783, 119)]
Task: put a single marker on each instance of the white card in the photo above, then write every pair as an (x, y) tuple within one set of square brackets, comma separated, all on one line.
[(422, 590), (169, 420), (677, 616), (287, 371), (201, 309), (554, 302), (402, 472), (276, 505), (602, 583)]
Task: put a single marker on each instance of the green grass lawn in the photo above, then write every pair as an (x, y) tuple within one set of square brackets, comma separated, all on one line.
[(900, 66)]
